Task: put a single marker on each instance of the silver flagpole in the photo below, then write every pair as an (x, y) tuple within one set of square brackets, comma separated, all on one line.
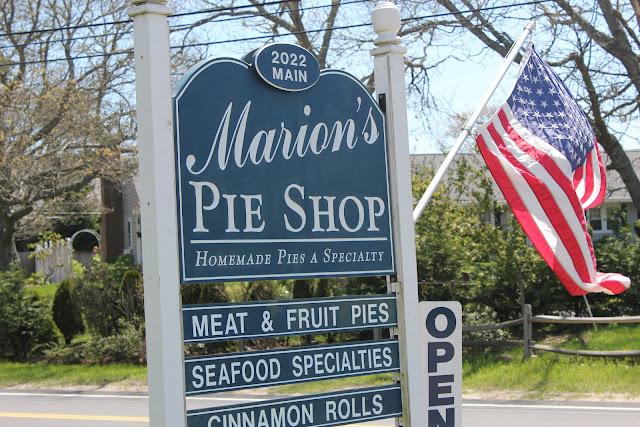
[(466, 129)]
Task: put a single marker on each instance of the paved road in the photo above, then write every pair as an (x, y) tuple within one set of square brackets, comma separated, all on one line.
[(44, 409)]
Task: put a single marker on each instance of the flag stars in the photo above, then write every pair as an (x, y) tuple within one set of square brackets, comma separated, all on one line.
[(542, 104)]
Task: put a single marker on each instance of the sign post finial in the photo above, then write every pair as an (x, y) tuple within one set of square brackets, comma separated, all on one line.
[(385, 18)]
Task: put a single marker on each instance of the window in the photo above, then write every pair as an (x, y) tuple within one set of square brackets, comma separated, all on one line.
[(486, 217), (129, 234), (594, 216)]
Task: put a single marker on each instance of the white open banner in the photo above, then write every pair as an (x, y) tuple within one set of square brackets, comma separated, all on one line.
[(441, 338)]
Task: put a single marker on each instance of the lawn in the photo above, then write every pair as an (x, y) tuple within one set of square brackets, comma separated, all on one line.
[(545, 376), (55, 376), (46, 292)]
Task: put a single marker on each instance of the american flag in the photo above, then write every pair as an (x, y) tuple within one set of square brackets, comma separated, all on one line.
[(542, 152)]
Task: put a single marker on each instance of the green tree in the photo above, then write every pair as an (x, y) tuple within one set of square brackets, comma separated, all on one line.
[(26, 323), (66, 310), (595, 46)]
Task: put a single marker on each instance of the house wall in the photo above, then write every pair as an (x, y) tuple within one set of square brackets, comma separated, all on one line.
[(615, 197), (111, 232), (131, 221)]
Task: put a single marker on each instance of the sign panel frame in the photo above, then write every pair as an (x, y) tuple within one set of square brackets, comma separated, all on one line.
[(344, 406), (206, 374), (263, 319), (266, 180)]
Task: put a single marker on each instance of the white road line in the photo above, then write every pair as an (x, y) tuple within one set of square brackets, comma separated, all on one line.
[(570, 407), (253, 399), (118, 396)]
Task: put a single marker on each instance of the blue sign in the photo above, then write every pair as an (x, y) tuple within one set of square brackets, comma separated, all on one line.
[(275, 184), (287, 66), (327, 409), (260, 319), (227, 372)]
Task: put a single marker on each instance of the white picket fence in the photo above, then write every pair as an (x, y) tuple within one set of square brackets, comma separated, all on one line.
[(54, 260)]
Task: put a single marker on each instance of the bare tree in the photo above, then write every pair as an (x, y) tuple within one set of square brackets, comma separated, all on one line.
[(65, 109), (597, 50)]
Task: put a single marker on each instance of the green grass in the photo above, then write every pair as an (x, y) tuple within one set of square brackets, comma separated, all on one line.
[(550, 374), (46, 292), (52, 376), (608, 337), (546, 376)]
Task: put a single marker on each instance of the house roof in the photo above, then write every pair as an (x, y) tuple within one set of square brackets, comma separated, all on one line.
[(616, 190)]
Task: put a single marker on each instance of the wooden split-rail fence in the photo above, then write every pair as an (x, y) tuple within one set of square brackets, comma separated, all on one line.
[(527, 320)]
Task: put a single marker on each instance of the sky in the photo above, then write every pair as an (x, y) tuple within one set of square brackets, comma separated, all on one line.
[(461, 84), (469, 81)]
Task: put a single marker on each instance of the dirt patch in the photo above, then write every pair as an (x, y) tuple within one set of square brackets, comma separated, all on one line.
[(141, 387), (528, 395), (129, 386)]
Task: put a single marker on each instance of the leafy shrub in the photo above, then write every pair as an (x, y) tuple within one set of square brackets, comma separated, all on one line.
[(204, 293), (618, 254), (263, 291), (132, 297), (304, 288), (476, 315), (127, 346), (100, 294), (26, 323), (66, 311), (63, 355)]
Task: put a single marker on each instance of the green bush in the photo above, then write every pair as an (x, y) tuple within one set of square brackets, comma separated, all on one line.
[(26, 323), (66, 311), (132, 297), (100, 294), (127, 346)]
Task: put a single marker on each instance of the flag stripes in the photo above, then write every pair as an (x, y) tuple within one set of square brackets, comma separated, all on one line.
[(539, 185)]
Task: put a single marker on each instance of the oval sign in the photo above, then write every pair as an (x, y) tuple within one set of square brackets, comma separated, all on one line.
[(287, 66)]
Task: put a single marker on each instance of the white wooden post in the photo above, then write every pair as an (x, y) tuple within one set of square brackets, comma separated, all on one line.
[(389, 77), (163, 318)]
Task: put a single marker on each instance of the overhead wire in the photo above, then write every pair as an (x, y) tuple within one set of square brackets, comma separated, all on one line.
[(102, 24), (178, 27), (270, 36)]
